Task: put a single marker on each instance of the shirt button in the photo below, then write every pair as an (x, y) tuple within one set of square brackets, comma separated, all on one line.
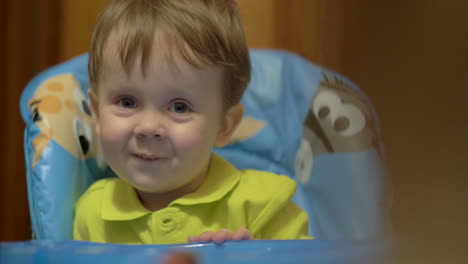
[(168, 223), (167, 220)]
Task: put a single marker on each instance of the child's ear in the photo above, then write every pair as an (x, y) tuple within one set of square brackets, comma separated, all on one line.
[(231, 120)]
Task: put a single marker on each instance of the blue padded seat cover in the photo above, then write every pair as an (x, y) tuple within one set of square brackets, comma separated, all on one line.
[(303, 121)]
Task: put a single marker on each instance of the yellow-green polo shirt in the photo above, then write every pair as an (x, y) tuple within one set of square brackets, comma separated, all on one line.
[(111, 212)]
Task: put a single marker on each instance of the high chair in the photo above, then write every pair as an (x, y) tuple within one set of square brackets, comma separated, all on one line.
[(301, 120)]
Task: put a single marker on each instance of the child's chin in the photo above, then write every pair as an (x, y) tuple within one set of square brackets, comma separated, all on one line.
[(151, 187)]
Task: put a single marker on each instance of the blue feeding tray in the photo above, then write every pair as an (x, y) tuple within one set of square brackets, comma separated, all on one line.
[(238, 252), (341, 177)]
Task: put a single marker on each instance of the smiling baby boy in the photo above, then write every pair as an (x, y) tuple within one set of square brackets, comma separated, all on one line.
[(166, 80)]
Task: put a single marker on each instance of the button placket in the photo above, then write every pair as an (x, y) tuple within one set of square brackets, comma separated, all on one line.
[(166, 226), (166, 220)]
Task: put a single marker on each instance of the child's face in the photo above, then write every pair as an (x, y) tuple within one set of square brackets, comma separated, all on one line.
[(157, 132)]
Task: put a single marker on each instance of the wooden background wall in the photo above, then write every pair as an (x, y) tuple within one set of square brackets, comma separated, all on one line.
[(409, 56), (16, 66)]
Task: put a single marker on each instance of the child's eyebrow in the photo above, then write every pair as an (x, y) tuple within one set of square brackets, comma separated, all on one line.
[(34, 103)]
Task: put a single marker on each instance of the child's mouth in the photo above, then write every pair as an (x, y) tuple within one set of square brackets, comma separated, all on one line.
[(146, 157)]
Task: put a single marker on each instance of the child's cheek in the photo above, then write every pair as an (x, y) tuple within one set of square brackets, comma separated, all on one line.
[(187, 140), (111, 133), (192, 139)]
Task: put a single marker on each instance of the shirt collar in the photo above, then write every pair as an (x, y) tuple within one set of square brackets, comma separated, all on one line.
[(221, 179), (120, 201)]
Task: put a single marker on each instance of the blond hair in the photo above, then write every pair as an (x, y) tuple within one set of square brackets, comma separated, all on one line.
[(201, 31)]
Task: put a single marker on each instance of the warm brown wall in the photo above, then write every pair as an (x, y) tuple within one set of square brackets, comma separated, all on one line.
[(77, 22), (411, 58), (310, 28), (28, 30), (16, 68)]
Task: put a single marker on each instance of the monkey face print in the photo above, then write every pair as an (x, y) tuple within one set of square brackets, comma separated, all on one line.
[(63, 114), (338, 120)]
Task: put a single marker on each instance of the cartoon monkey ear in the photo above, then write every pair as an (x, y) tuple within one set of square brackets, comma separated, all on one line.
[(247, 128), (94, 103), (231, 121)]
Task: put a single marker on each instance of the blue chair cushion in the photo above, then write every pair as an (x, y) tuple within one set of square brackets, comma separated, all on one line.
[(301, 120)]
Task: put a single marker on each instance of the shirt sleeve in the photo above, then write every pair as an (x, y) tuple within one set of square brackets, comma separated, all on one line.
[(290, 222), (80, 231), (87, 212), (280, 218)]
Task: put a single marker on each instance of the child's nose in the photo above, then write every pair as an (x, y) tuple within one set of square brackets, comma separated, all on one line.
[(151, 125)]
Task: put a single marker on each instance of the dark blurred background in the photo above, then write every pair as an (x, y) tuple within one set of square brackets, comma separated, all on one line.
[(410, 57)]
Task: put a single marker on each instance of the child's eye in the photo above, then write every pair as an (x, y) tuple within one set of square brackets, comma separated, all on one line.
[(179, 108), (127, 102)]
